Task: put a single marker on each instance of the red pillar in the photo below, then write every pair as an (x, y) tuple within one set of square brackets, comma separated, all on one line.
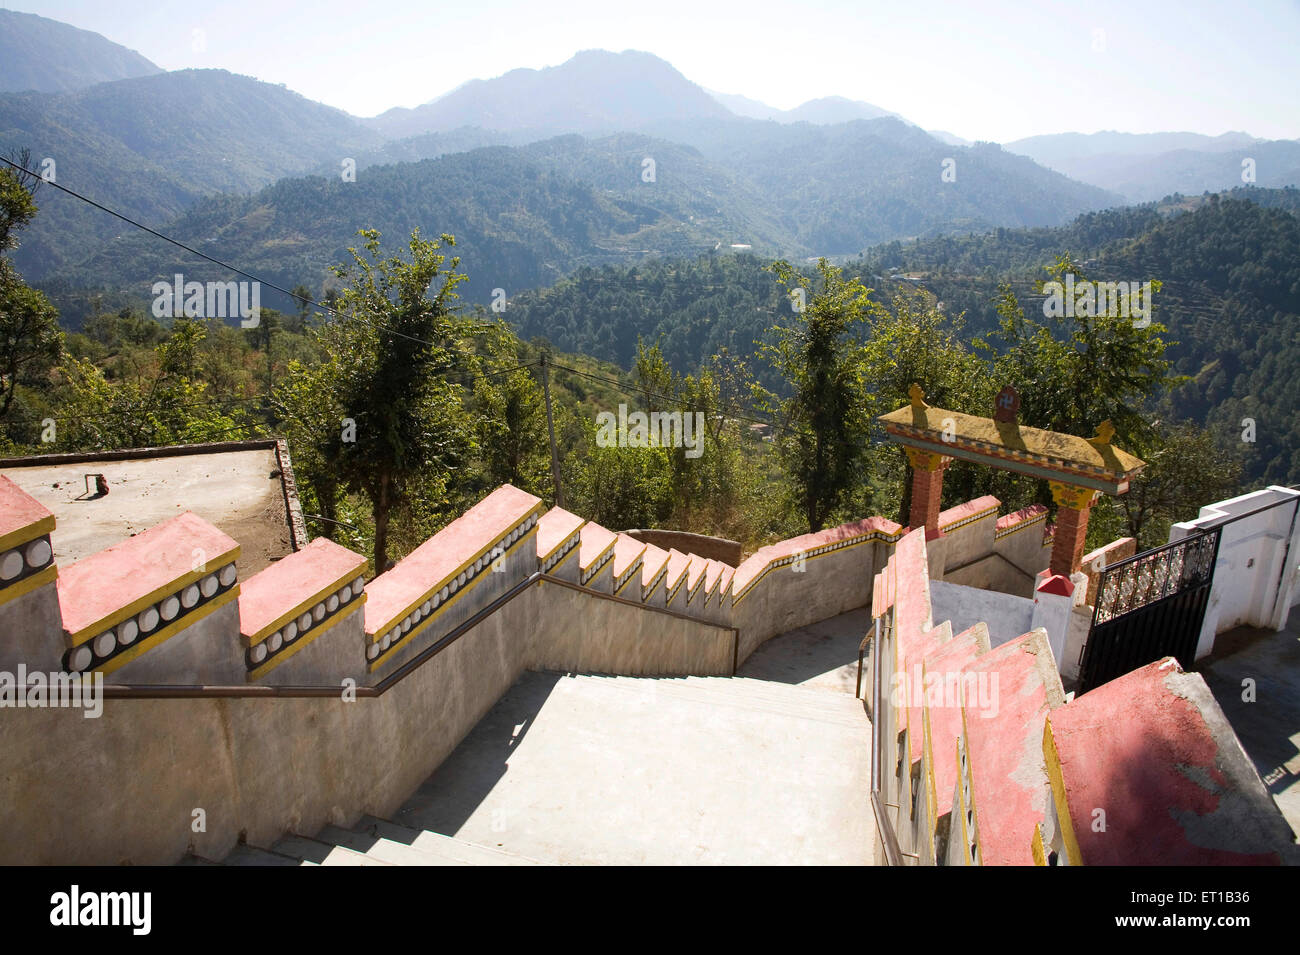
[(1074, 505), (927, 489)]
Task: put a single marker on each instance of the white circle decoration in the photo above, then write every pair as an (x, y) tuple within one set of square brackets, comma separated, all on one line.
[(127, 631), (11, 565), (38, 553), (81, 657), (104, 643)]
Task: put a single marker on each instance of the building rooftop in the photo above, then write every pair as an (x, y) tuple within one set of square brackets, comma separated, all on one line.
[(240, 487)]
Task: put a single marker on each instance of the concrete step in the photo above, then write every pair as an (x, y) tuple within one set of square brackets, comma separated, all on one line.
[(612, 771), (320, 852), (393, 841), (252, 855), (796, 702), (377, 847), (812, 702), (1006, 776)]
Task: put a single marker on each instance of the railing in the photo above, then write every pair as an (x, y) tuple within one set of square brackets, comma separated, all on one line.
[(879, 730), (1153, 604), (1149, 606)]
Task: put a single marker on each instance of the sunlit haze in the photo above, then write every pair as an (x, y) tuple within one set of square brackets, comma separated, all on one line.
[(996, 70)]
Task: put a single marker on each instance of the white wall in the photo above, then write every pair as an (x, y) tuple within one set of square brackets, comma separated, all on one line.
[(1007, 616), (1255, 574)]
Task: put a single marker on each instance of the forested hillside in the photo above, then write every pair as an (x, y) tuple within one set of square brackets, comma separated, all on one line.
[(519, 224), (528, 216), (41, 54), (693, 308), (1143, 167), (152, 146), (1230, 270)]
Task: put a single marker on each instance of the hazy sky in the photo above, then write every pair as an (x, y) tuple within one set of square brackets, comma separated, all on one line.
[(982, 69)]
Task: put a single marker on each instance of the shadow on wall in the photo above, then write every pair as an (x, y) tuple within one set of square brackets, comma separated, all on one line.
[(447, 799), (710, 548), (810, 652)]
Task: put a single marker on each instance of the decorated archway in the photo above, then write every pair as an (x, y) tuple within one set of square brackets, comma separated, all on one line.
[(1078, 470)]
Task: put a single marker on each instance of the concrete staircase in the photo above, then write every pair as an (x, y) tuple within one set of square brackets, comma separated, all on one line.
[(627, 770), (989, 762), (372, 842), (756, 696)]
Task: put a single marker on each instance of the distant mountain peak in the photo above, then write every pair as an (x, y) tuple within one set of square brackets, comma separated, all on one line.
[(592, 91), (45, 55), (1143, 167), (823, 111)]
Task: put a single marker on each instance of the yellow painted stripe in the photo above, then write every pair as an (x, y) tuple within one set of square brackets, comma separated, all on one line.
[(131, 609), (571, 555), (28, 584), (562, 542), (274, 661), (1028, 522), (596, 559), (630, 577), (1036, 846), (1054, 775), (654, 584), (428, 595), (415, 630), (767, 568), (978, 516), (24, 535), (322, 594), (169, 631)]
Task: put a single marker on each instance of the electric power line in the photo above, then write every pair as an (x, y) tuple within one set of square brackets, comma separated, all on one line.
[(203, 255)]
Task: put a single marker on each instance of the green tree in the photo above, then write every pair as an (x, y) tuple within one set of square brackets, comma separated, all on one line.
[(654, 379), (914, 341), (393, 336), (1076, 372), (618, 486), (512, 438), (307, 401), (30, 339), (1185, 471), (826, 412)]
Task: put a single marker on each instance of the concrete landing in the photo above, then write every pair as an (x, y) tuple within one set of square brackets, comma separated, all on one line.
[(1269, 727), (624, 770), (823, 656)]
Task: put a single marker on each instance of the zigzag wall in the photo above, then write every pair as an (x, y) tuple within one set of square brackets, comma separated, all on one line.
[(259, 733)]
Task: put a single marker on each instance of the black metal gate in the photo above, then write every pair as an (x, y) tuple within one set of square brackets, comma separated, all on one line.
[(1148, 607)]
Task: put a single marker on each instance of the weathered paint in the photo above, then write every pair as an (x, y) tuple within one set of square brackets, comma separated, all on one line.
[(1153, 751)]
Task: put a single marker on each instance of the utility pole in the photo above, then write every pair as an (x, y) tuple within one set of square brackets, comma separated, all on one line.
[(270, 368), (550, 431)]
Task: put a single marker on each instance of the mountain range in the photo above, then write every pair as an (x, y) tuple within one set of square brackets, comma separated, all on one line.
[(608, 157), (41, 54), (1143, 167)]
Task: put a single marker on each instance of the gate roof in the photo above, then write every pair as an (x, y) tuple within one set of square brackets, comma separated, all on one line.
[(1085, 462)]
